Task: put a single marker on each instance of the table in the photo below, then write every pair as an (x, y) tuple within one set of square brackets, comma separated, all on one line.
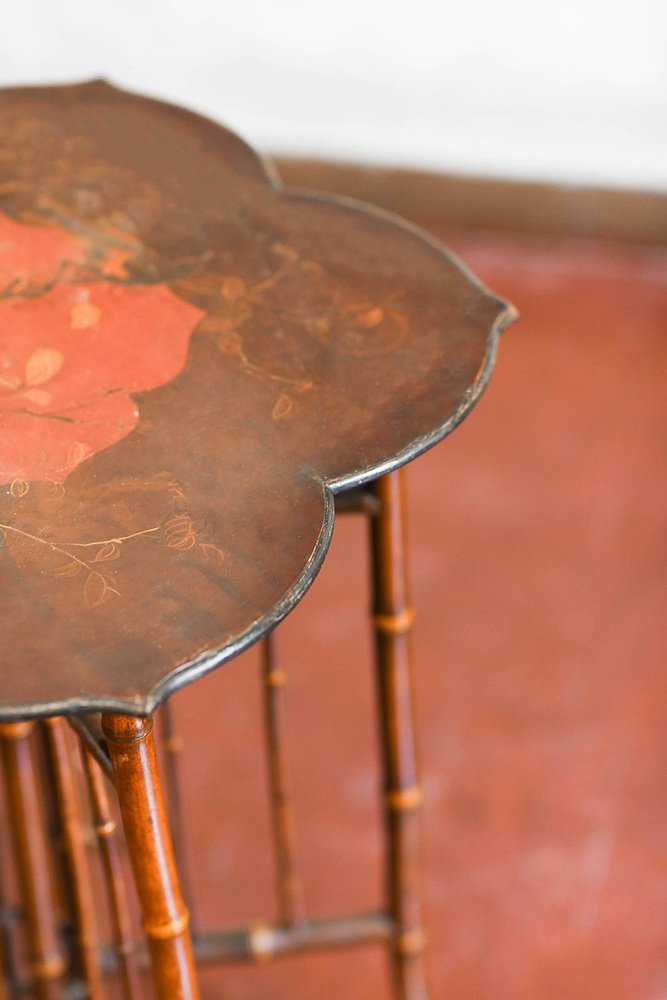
[(195, 364)]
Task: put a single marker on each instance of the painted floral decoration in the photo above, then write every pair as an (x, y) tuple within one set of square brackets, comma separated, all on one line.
[(72, 351)]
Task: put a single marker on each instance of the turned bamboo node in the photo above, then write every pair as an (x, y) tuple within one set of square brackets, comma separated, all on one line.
[(276, 678), (405, 799), (165, 932), (261, 941), (106, 829), (48, 968), (397, 623), (132, 729), (411, 942), (16, 730)]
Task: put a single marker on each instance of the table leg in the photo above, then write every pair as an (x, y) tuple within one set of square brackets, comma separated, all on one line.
[(290, 887), (142, 806), (121, 923), (31, 851), (74, 835), (392, 619)]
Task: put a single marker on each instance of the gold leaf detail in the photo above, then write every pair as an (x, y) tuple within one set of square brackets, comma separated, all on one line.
[(213, 552), (178, 522), (233, 287), (289, 253), (109, 551), (96, 590), (179, 532), (175, 491), (182, 542), (19, 488), (312, 267), (67, 569), (230, 343), (84, 315), (283, 407), (42, 365), (370, 318)]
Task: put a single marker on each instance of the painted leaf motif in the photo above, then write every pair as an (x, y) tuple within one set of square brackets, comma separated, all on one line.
[(312, 267), (42, 365), (213, 552), (370, 318), (179, 532), (182, 542), (283, 407), (39, 397), (67, 569), (233, 287), (282, 250), (229, 342), (19, 488), (78, 452), (109, 551), (84, 315), (96, 590)]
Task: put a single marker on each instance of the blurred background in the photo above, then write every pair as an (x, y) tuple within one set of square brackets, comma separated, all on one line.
[(573, 91), (532, 138)]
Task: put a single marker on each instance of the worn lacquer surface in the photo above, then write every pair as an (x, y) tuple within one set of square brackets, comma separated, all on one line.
[(190, 360)]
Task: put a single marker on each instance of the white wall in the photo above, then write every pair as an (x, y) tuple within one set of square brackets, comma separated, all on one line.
[(568, 90)]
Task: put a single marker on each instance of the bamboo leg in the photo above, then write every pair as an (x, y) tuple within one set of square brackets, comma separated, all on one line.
[(73, 829), (105, 828), (26, 827), (165, 916), (392, 618), (290, 891), (173, 746), (9, 979)]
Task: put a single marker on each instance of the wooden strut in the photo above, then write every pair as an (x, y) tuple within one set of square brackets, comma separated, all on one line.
[(74, 837), (88, 727), (290, 889), (392, 619), (28, 835), (262, 941), (125, 945), (165, 916)]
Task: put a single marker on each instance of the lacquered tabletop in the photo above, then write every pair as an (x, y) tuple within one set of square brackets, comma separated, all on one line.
[(192, 361)]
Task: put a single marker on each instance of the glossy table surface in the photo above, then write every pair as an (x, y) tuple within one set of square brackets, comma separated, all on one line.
[(193, 361)]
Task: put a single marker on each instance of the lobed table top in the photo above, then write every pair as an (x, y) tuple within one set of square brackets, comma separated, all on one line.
[(193, 360)]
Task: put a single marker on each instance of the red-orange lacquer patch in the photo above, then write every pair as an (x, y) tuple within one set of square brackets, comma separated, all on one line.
[(71, 353)]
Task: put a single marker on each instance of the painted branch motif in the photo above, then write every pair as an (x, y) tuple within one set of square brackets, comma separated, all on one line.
[(179, 531)]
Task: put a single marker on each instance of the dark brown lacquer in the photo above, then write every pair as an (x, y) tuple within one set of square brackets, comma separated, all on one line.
[(193, 361)]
